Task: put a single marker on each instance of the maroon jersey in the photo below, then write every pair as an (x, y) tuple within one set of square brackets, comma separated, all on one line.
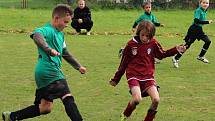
[(138, 59)]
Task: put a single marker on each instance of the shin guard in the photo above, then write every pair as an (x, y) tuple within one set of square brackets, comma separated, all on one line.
[(71, 109)]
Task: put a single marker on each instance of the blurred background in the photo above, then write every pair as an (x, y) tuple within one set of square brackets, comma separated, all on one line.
[(105, 4)]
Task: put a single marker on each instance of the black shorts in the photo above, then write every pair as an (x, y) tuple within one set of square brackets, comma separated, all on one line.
[(56, 89), (194, 32)]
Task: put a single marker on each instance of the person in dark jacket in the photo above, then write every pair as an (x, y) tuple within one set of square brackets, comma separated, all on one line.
[(82, 18)]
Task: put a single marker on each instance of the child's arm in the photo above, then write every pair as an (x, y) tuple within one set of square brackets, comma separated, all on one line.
[(72, 61), (40, 41), (122, 67), (156, 22), (160, 53), (197, 21), (87, 15)]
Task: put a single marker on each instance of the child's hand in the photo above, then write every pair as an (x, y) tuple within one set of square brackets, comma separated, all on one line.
[(82, 70), (80, 21), (181, 48), (112, 83), (210, 21)]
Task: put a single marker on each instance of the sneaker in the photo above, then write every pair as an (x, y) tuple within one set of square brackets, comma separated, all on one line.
[(6, 116), (120, 52), (203, 59), (175, 62), (123, 117), (88, 33)]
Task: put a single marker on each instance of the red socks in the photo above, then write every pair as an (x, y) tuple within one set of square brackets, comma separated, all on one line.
[(150, 115), (130, 108)]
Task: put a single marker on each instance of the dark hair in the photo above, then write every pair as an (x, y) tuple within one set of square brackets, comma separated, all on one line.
[(62, 10), (145, 3), (148, 27)]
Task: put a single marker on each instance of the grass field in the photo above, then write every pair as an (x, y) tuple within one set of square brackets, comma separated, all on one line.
[(187, 93)]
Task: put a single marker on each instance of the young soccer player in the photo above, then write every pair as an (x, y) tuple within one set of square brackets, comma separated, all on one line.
[(138, 63), (148, 15), (50, 80), (196, 32)]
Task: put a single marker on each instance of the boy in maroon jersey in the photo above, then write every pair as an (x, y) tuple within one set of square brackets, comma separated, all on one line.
[(138, 63)]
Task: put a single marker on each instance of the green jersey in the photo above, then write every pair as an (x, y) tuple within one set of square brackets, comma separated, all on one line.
[(200, 14), (48, 68), (147, 16)]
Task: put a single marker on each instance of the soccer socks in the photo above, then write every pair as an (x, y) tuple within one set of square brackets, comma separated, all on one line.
[(129, 109), (71, 109), (178, 56), (150, 115), (205, 46), (29, 112)]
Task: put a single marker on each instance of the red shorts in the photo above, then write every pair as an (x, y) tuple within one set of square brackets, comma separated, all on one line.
[(144, 85)]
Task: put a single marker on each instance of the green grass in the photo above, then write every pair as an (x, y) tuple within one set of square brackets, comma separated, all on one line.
[(187, 93)]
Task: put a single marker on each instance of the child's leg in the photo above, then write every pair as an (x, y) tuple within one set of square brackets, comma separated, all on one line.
[(205, 46), (71, 108), (32, 111), (187, 44), (136, 98), (153, 93)]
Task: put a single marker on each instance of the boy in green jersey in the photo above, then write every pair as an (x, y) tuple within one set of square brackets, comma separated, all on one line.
[(146, 16), (195, 31), (50, 80)]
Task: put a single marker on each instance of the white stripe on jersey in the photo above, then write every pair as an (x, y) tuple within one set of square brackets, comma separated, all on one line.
[(140, 79)]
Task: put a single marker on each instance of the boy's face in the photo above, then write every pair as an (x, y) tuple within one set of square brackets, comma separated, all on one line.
[(81, 4), (144, 36), (147, 8), (61, 22), (204, 4)]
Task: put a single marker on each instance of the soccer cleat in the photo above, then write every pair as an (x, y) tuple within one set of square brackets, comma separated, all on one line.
[(175, 62), (88, 33), (123, 117), (6, 116), (203, 59)]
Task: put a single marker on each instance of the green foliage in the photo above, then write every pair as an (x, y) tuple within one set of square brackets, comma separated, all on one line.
[(106, 4)]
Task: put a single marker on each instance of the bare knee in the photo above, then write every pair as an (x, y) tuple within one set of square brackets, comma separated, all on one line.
[(155, 100), (45, 107), (136, 99)]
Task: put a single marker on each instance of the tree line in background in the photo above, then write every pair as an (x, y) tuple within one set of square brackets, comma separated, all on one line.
[(158, 4), (108, 4)]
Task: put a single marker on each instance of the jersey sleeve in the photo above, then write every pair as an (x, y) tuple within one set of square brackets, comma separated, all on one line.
[(160, 53), (42, 31), (155, 21), (126, 58), (139, 19)]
